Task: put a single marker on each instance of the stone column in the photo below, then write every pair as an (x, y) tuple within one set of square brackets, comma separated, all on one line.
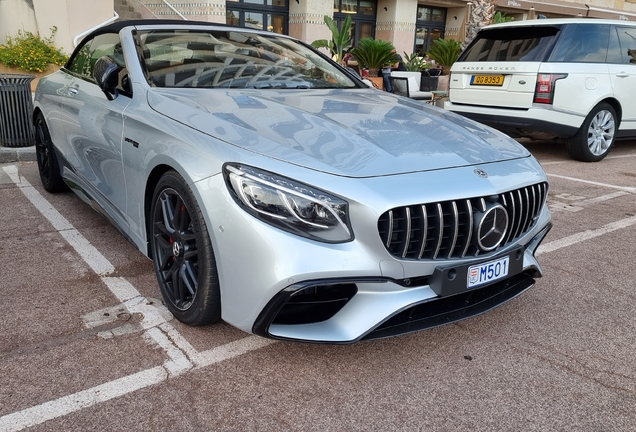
[(396, 23), (306, 19), (455, 23), (480, 15)]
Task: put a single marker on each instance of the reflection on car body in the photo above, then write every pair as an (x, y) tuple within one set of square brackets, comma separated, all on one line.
[(274, 190)]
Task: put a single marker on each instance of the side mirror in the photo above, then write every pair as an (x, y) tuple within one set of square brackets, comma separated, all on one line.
[(106, 73)]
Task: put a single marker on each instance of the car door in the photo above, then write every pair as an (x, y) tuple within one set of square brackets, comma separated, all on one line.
[(623, 76), (94, 128)]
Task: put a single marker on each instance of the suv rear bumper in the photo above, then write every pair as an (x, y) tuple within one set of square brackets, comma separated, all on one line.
[(519, 123)]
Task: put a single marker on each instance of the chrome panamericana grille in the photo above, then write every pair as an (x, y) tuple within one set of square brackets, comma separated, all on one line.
[(445, 230)]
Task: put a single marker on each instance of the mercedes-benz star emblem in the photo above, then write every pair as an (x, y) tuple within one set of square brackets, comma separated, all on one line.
[(481, 173), (491, 227), (176, 248)]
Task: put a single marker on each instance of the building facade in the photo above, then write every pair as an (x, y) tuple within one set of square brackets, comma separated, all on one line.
[(411, 25)]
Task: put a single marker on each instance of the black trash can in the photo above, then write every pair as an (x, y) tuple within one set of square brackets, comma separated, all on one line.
[(16, 110)]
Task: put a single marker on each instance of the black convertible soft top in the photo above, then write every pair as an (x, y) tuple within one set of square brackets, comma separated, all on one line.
[(116, 26)]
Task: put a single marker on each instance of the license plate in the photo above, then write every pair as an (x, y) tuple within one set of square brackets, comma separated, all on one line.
[(492, 80), (488, 272)]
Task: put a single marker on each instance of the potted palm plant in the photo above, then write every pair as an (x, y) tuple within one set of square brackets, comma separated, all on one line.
[(413, 62), (340, 38), (445, 52), (374, 54)]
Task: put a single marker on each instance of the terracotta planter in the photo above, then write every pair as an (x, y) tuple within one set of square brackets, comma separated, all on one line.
[(443, 82), (11, 70), (378, 81)]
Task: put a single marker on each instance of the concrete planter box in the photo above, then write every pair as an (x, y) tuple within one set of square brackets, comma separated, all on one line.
[(12, 70)]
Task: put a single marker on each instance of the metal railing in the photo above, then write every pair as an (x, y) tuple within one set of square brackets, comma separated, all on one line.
[(115, 17), (174, 10), (84, 33)]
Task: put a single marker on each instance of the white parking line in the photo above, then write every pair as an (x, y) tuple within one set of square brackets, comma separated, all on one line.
[(84, 399), (623, 188), (120, 387), (178, 362), (89, 254), (181, 355), (601, 198), (585, 235)]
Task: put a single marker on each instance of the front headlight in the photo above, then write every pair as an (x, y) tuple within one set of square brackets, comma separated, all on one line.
[(289, 205)]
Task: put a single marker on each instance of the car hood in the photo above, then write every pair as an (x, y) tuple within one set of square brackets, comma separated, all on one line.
[(355, 133)]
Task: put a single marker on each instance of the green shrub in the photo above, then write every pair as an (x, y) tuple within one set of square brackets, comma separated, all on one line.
[(31, 52), (414, 63), (500, 17), (340, 38), (374, 54), (445, 52)]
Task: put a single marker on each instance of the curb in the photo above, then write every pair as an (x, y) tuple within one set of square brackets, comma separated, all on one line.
[(17, 154)]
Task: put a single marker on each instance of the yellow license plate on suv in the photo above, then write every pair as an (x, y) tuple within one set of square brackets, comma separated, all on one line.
[(488, 80)]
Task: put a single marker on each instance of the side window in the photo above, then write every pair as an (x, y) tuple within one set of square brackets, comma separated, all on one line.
[(107, 44), (627, 38), (81, 61), (584, 43)]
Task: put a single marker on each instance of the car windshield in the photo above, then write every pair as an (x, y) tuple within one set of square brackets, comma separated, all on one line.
[(234, 59)]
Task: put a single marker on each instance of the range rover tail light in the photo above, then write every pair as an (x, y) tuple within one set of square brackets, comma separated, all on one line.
[(544, 92)]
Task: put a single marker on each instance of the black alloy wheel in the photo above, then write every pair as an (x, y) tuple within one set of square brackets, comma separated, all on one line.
[(182, 253), (48, 165)]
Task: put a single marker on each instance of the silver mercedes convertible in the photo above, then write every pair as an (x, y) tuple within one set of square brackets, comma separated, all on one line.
[(274, 190)]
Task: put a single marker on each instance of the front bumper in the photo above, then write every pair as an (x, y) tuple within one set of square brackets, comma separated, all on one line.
[(378, 308), (262, 268)]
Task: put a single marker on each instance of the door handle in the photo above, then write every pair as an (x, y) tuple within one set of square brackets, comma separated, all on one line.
[(72, 91), (622, 75)]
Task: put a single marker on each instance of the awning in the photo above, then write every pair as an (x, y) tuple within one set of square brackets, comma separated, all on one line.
[(550, 6), (566, 8), (595, 12)]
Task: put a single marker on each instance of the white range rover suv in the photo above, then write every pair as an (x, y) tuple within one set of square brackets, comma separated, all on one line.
[(546, 78)]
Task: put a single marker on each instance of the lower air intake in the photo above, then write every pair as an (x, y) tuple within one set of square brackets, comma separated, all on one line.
[(315, 304)]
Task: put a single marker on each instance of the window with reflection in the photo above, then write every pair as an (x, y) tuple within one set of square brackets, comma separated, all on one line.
[(430, 25), (235, 59), (271, 15), (362, 13), (275, 3), (627, 37)]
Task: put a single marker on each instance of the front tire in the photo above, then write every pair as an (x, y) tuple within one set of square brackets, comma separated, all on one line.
[(182, 253), (596, 136), (48, 166)]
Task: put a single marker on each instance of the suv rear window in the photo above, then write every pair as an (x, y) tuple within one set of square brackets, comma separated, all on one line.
[(532, 43)]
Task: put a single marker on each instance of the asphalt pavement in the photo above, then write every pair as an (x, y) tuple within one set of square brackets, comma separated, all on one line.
[(85, 343)]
